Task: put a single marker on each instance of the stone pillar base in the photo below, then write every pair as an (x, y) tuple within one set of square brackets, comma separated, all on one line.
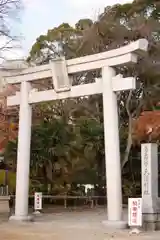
[(151, 221), (4, 205), (115, 225), (15, 218)]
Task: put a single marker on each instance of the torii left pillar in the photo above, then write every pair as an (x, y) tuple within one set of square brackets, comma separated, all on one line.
[(23, 155)]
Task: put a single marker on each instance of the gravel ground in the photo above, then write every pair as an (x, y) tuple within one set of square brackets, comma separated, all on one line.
[(71, 225)]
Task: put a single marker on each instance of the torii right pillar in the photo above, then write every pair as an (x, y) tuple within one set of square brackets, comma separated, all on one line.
[(112, 148)]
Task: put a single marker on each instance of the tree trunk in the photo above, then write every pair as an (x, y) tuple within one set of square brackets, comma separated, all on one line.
[(129, 144), (129, 140)]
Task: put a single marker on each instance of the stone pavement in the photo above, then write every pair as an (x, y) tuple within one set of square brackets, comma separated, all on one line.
[(79, 225)]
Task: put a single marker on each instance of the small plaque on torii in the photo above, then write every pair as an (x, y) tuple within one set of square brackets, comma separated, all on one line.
[(61, 81)]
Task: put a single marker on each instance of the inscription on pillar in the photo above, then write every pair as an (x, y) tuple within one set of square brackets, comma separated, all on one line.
[(146, 174), (149, 177)]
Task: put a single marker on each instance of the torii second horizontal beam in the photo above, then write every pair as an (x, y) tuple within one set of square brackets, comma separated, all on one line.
[(118, 84)]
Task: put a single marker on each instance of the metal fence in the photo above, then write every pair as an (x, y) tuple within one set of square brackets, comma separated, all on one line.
[(66, 201), (4, 190)]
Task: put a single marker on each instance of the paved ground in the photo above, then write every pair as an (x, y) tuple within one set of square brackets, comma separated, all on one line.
[(78, 224)]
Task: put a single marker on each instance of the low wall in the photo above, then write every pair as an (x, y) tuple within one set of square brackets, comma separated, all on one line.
[(4, 205)]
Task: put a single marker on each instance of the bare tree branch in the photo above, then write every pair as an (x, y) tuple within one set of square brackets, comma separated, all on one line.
[(8, 14)]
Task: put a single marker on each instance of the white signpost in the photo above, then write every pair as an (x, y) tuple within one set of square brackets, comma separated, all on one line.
[(135, 212), (37, 201), (61, 72)]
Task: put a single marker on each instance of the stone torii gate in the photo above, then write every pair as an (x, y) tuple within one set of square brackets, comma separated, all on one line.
[(61, 71)]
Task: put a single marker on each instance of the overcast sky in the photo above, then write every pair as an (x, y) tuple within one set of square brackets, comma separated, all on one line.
[(40, 15)]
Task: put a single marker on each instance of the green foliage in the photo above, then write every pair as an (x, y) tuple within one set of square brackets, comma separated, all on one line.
[(58, 154), (59, 41), (84, 24)]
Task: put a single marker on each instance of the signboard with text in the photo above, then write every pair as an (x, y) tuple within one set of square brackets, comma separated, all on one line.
[(135, 212), (38, 201)]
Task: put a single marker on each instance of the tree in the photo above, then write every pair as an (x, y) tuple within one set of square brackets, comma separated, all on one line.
[(8, 14), (92, 145), (117, 26), (59, 41), (9, 10), (147, 127), (56, 158), (8, 118)]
